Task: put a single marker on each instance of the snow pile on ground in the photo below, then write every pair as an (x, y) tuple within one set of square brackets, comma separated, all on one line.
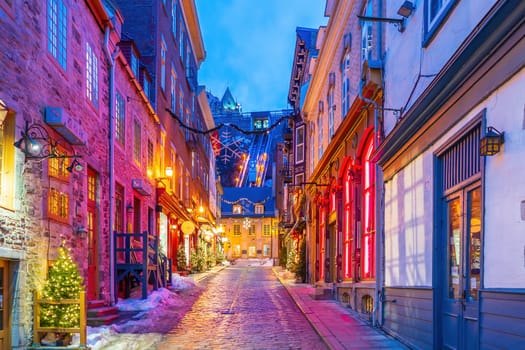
[(181, 283), (156, 316)]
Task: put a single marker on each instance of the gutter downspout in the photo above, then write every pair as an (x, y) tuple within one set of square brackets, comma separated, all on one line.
[(111, 58)]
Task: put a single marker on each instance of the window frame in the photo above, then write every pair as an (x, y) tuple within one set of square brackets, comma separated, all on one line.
[(120, 118), (57, 31), (163, 59), (432, 25), (92, 88), (137, 142), (299, 144)]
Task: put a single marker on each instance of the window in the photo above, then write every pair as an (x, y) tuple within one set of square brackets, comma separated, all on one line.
[(162, 152), (251, 230), (57, 31), (436, 11), (181, 103), (119, 118), (237, 209), (57, 167), (345, 88), (136, 141), (259, 209), (119, 208), (319, 137), (7, 161), (173, 87), (266, 250), (174, 18), (134, 64), (146, 86), (366, 35), (266, 230), (181, 41), (151, 160), (237, 229), (299, 144), (173, 162), (299, 179), (91, 75), (348, 202), (368, 219), (331, 112), (163, 51), (58, 205), (312, 152)]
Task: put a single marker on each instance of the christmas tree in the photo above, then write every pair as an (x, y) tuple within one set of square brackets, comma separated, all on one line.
[(64, 282)]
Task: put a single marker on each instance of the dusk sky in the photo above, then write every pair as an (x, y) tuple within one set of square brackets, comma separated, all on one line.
[(250, 45)]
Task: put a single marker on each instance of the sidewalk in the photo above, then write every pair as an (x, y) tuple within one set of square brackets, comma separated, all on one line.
[(339, 327)]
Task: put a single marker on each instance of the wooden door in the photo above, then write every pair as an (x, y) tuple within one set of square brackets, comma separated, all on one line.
[(92, 223), (4, 305)]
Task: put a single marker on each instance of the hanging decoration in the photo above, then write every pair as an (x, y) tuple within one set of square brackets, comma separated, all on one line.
[(221, 125), (244, 200)]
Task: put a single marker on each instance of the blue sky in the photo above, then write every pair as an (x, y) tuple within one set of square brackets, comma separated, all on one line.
[(249, 47)]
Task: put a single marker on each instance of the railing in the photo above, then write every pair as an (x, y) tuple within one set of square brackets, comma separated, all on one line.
[(37, 329), (136, 256)]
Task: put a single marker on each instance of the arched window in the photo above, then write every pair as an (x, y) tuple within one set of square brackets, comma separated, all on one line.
[(348, 203), (368, 213)]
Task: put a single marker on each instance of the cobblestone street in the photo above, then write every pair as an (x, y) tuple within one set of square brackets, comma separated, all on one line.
[(243, 308)]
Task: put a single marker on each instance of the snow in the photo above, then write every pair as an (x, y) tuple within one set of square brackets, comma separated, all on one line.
[(153, 317)]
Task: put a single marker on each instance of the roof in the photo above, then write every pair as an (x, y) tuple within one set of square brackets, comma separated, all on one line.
[(247, 197)]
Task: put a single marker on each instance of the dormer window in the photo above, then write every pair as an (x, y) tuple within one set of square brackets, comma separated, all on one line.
[(259, 209), (237, 209)]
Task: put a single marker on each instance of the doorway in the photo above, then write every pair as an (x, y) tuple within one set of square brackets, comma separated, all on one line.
[(4, 305), (92, 223), (459, 261)]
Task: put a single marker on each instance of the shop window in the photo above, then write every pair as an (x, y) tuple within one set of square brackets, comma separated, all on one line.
[(368, 219), (57, 167)]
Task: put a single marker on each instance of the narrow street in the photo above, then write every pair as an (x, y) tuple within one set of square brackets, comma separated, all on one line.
[(243, 307)]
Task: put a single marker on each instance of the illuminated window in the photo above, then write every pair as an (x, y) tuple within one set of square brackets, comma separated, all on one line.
[(151, 158), (368, 219), (7, 161), (119, 118), (137, 143), (251, 230), (237, 209), (58, 205), (266, 230), (57, 31), (259, 209), (57, 167), (91, 75), (237, 229), (348, 202)]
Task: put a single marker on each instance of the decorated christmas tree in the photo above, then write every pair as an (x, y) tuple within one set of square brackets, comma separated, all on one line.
[(63, 282)]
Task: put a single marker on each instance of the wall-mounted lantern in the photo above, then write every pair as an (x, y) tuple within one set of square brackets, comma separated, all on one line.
[(36, 143), (490, 144), (405, 11)]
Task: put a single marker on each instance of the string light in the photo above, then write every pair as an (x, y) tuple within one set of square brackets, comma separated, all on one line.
[(221, 125), (244, 199)]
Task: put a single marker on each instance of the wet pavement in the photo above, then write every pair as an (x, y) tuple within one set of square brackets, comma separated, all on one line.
[(243, 307)]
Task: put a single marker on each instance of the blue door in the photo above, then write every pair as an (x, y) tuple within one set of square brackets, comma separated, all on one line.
[(460, 312)]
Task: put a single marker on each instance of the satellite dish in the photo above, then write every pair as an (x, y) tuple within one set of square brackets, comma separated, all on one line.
[(187, 227)]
